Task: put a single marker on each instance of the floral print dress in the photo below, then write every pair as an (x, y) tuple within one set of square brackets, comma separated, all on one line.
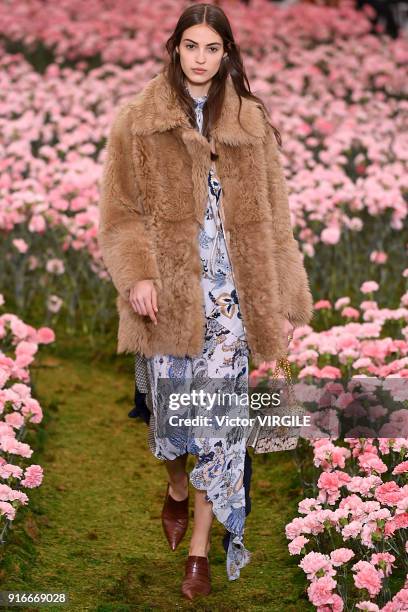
[(219, 468)]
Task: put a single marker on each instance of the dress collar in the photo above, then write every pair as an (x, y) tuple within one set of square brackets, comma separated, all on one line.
[(198, 100)]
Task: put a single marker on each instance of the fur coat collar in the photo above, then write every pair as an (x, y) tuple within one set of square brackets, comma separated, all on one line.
[(156, 109)]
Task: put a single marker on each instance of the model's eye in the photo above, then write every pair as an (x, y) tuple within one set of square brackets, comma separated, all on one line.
[(191, 46)]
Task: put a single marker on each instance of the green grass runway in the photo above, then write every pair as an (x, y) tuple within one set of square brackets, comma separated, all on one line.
[(93, 528)]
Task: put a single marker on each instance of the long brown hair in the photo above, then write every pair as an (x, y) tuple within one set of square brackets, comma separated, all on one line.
[(215, 18)]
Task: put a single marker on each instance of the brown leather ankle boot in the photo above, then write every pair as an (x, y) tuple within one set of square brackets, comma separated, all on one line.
[(174, 519), (197, 577)]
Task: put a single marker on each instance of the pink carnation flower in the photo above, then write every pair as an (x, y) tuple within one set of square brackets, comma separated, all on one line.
[(369, 286), (352, 530), (322, 304), (399, 521), (370, 462), (316, 565), (341, 555), (33, 476), (364, 485), (295, 547), (401, 468), (7, 510), (389, 493), (367, 577), (295, 528), (350, 312), (320, 591)]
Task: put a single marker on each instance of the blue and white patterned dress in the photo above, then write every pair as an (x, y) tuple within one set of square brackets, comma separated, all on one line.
[(219, 468)]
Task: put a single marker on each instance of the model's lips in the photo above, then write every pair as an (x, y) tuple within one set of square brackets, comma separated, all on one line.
[(199, 70)]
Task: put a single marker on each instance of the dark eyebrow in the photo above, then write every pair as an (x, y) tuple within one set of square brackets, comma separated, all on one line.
[(196, 43)]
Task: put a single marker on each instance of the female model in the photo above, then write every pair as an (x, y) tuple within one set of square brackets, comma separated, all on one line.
[(200, 288)]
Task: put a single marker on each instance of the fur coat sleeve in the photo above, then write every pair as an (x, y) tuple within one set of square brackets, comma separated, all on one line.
[(122, 217), (294, 289)]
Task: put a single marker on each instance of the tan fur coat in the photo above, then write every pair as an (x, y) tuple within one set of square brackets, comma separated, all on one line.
[(153, 198)]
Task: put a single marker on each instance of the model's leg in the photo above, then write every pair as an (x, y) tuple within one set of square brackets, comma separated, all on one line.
[(178, 477), (203, 514), (203, 518)]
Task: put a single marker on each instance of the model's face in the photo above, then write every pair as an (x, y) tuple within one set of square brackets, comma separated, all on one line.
[(200, 47)]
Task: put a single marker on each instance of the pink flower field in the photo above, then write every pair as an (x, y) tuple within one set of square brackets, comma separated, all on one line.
[(351, 534), (20, 411)]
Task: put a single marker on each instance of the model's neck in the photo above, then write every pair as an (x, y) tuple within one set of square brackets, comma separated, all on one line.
[(197, 91)]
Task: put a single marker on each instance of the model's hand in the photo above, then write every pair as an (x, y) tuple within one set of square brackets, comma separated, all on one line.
[(143, 298)]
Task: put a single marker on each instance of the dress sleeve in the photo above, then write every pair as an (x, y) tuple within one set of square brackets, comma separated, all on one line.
[(125, 235), (295, 294)]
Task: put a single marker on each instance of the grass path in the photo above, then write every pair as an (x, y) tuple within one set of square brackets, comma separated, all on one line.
[(93, 528)]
